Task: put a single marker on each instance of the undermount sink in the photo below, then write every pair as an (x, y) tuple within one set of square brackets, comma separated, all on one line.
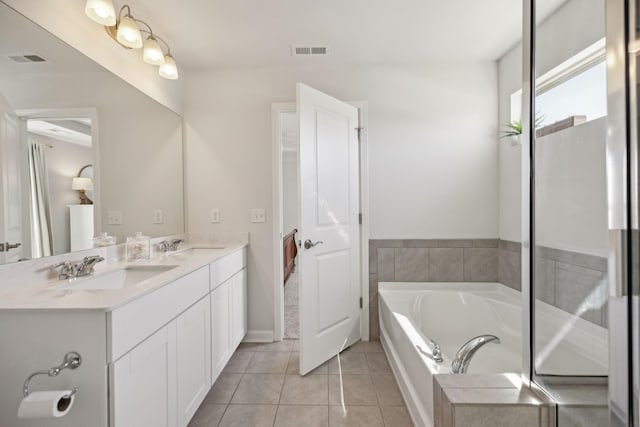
[(198, 251), (117, 279)]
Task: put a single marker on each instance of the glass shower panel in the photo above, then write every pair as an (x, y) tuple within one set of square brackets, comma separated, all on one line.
[(569, 198)]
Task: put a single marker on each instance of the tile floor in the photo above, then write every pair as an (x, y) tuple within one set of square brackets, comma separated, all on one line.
[(260, 386)]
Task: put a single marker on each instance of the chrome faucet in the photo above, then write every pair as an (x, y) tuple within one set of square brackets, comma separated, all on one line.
[(436, 353), (170, 245), (69, 270), (468, 349), (85, 268)]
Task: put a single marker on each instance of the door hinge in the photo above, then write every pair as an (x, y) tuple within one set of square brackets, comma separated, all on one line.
[(359, 129), (360, 218), (360, 302)]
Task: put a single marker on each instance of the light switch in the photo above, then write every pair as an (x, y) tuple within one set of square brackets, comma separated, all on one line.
[(215, 215), (258, 215), (114, 217), (157, 216)]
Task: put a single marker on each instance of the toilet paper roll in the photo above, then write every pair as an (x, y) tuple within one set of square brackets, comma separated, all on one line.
[(46, 404)]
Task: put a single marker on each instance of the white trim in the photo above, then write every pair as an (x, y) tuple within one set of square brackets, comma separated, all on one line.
[(278, 279), (276, 176), (259, 336)]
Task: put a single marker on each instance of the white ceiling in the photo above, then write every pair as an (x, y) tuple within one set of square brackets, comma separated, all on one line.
[(237, 33)]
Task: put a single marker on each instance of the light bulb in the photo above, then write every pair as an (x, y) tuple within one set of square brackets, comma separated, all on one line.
[(169, 70), (152, 53), (129, 33), (101, 12)]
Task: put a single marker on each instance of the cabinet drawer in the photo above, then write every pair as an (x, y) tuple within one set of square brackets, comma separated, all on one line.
[(226, 267), (132, 323)]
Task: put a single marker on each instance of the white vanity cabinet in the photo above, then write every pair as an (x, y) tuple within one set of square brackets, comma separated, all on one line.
[(228, 308)]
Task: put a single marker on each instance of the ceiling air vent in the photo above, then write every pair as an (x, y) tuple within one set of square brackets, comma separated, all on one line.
[(30, 58), (309, 50)]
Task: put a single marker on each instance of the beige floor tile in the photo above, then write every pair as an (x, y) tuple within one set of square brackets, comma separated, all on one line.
[(259, 389), (207, 415), (308, 390), (355, 416), (285, 345), (249, 415), (223, 389), (238, 362), (247, 346), (268, 362), (294, 366), (372, 346), (352, 363), (357, 347), (358, 390), (378, 363), (387, 390), (302, 415), (396, 416), (295, 346)]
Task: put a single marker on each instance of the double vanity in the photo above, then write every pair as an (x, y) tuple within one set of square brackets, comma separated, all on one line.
[(153, 336)]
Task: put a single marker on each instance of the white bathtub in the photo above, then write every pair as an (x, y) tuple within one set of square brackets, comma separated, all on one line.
[(413, 314)]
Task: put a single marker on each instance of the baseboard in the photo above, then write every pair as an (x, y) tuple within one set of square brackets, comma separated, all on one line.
[(259, 336)]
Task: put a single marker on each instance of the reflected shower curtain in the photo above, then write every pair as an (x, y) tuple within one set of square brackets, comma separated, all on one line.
[(40, 204)]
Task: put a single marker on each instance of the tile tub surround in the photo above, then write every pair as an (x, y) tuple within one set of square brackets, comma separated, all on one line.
[(483, 400), (261, 386), (564, 278)]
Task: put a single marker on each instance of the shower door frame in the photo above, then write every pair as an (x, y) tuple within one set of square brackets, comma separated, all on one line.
[(622, 181)]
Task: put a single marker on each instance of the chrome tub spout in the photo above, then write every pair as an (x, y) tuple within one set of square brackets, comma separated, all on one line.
[(468, 349)]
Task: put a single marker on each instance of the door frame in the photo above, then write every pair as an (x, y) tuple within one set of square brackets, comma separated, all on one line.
[(276, 165), (61, 113)]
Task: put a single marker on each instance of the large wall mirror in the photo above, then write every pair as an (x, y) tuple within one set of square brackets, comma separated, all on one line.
[(82, 152)]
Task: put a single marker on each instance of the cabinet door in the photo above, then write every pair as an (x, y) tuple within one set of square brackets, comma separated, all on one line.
[(238, 307), (220, 328), (143, 383), (193, 331)]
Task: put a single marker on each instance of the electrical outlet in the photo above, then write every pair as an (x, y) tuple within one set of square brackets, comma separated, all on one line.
[(157, 216), (114, 217), (258, 215), (215, 215)]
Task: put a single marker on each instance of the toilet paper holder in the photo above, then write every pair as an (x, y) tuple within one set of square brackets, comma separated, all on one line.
[(72, 360)]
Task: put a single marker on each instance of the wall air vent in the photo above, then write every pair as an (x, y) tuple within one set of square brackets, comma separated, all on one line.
[(309, 50), (27, 59)]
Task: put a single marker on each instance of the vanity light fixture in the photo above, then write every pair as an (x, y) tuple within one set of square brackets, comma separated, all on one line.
[(127, 31)]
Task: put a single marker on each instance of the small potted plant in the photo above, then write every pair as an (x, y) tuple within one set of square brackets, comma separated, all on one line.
[(514, 129)]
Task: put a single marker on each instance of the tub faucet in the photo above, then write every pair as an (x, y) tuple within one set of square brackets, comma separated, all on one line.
[(468, 349), (436, 353)]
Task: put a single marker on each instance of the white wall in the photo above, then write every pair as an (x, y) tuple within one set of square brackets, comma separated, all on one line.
[(571, 212), (67, 21), (432, 148), (570, 29)]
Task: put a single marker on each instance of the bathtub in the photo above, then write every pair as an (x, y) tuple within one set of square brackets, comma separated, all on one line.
[(413, 314)]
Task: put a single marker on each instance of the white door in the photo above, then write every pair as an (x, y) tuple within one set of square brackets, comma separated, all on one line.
[(10, 213), (329, 254), (220, 328)]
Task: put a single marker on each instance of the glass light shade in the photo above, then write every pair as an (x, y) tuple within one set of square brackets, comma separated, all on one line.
[(169, 70), (152, 53), (82, 184), (101, 12), (129, 33)]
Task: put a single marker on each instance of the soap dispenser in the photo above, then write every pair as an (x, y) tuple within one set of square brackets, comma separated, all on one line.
[(138, 247), (103, 240)]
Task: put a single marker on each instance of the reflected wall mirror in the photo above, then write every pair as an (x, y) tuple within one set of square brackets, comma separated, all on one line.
[(71, 131)]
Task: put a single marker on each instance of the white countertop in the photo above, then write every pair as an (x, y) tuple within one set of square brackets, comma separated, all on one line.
[(47, 295)]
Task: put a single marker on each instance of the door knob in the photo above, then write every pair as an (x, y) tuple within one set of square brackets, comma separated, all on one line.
[(308, 244)]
